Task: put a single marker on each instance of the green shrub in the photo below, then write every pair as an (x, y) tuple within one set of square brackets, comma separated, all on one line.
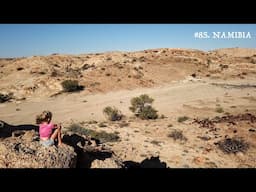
[(148, 112), (219, 110), (162, 116), (101, 124), (183, 118), (71, 86), (154, 142), (102, 136), (142, 108), (112, 113)]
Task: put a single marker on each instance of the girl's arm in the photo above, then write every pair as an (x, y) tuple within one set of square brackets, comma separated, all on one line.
[(56, 126)]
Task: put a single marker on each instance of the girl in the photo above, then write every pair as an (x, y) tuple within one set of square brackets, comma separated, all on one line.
[(48, 131)]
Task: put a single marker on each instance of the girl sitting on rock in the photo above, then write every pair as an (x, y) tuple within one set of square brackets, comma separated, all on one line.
[(48, 131)]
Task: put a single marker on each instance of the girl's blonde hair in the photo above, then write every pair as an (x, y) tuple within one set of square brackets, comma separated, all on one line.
[(44, 116)]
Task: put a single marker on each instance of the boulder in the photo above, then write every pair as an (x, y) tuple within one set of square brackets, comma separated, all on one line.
[(23, 150), (107, 163)]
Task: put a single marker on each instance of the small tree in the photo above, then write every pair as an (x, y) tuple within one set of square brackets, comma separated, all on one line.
[(112, 113), (71, 86), (142, 108)]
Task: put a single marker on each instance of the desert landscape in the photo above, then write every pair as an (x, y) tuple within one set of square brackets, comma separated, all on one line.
[(203, 106)]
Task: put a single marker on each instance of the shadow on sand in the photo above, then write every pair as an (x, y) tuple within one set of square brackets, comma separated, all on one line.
[(153, 162), (6, 130), (85, 157)]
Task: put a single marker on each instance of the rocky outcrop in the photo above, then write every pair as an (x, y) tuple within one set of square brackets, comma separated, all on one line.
[(23, 150), (91, 153), (20, 148), (107, 163)]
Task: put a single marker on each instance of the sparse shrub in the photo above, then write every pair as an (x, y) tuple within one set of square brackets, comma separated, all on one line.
[(101, 124), (5, 97), (103, 68), (92, 122), (138, 76), (222, 66), (129, 76), (209, 61), (112, 113), (72, 73), (42, 72), (56, 65), (108, 74), (20, 68), (162, 116), (193, 75), (142, 108), (86, 66), (170, 125), (219, 110), (233, 145), (102, 136), (94, 84), (109, 58), (71, 86), (134, 60), (253, 61), (154, 142), (177, 135), (183, 118)]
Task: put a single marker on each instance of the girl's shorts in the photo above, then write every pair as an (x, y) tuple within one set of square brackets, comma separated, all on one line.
[(47, 143)]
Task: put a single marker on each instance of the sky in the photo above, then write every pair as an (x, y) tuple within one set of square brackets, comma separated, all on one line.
[(23, 40)]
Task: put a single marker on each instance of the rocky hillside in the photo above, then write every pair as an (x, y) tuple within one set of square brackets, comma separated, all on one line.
[(41, 76)]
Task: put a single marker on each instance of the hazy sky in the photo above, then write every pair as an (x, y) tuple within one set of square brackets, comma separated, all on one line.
[(17, 40)]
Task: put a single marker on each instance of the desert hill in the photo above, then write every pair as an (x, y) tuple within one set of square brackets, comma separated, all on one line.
[(41, 76), (204, 101)]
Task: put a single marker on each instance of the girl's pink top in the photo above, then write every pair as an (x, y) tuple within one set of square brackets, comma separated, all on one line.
[(45, 130)]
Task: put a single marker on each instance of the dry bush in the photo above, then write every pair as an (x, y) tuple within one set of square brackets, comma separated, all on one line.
[(233, 145), (112, 113), (177, 135), (71, 86)]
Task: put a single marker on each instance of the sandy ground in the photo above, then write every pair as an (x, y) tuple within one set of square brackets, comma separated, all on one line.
[(169, 99), (141, 138)]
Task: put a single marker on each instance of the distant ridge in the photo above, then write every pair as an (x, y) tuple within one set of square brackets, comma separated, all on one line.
[(236, 52)]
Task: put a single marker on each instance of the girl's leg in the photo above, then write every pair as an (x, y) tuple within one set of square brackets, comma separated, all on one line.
[(59, 135), (55, 134)]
